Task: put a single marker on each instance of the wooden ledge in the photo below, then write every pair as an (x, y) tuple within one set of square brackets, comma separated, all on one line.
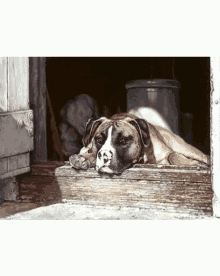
[(57, 167), (157, 189), (144, 172)]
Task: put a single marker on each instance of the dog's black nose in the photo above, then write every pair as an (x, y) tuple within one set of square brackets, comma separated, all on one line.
[(103, 159)]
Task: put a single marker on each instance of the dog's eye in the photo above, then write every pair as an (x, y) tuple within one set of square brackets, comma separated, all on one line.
[(99, 139), (122, 141)]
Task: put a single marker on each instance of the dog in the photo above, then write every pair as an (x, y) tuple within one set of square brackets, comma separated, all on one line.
[(115, 144)]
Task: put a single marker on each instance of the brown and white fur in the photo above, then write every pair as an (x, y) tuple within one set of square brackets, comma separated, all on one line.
[(115, 144)]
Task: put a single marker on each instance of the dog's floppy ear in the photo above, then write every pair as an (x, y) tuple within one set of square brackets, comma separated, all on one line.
[(91, 128), (143, 130)]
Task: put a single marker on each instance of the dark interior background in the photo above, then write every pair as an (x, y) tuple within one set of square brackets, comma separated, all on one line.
[(104, 79)]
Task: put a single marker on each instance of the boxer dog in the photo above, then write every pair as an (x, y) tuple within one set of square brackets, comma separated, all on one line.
[(115, 144)]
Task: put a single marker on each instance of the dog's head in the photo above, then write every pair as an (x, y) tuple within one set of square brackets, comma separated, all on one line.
[(119, 142)]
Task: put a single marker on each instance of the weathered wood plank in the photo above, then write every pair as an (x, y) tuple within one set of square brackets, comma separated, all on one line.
[(179, 199), (16, 126), (14, 173), (3, 84), (18, 83), (3, 165), (18, 161), (9, 189), (146, 173), (174, 167), (11, 163), (38, 104), (42, 108), (170, 188), (47, 189), (179, 196), (16, 133), (176, 196)]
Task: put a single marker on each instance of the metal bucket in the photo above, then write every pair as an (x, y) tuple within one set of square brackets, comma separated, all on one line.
[(159, 94)]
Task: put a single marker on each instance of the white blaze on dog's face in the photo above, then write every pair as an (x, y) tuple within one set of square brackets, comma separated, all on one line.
[(105, 154), (118, 146)]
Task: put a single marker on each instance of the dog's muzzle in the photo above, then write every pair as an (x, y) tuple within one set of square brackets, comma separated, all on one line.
[(103, 159)]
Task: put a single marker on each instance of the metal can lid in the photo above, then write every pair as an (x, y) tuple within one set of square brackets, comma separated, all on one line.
[(153, 83)]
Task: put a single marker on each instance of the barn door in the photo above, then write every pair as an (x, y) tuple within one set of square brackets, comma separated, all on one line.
[(16, 119)]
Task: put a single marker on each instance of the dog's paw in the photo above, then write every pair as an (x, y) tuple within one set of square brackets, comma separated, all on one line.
[(79, 162)]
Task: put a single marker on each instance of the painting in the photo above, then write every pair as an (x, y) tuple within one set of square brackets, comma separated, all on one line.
[(162, 172)]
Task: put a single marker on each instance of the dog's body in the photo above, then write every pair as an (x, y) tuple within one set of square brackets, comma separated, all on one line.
[(113, 145)]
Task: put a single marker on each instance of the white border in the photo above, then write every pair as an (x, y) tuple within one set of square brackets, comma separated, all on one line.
[(215, 137), (116, 28)]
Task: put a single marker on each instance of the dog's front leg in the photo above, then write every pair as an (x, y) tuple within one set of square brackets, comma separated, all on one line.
[(84, 160)]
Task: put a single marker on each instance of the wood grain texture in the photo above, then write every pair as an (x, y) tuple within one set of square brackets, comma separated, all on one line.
[(16, 162), (3, 84), (15, 139), (9, 189), (169, 189), (3, 165), (165, 188), (42, 107), (37, 87), (171, 196), (18, 83), (16, 125), (149, 172), (14, 173)]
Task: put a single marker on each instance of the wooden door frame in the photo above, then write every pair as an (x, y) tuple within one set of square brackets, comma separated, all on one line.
[(37, 67), (37, 87)]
